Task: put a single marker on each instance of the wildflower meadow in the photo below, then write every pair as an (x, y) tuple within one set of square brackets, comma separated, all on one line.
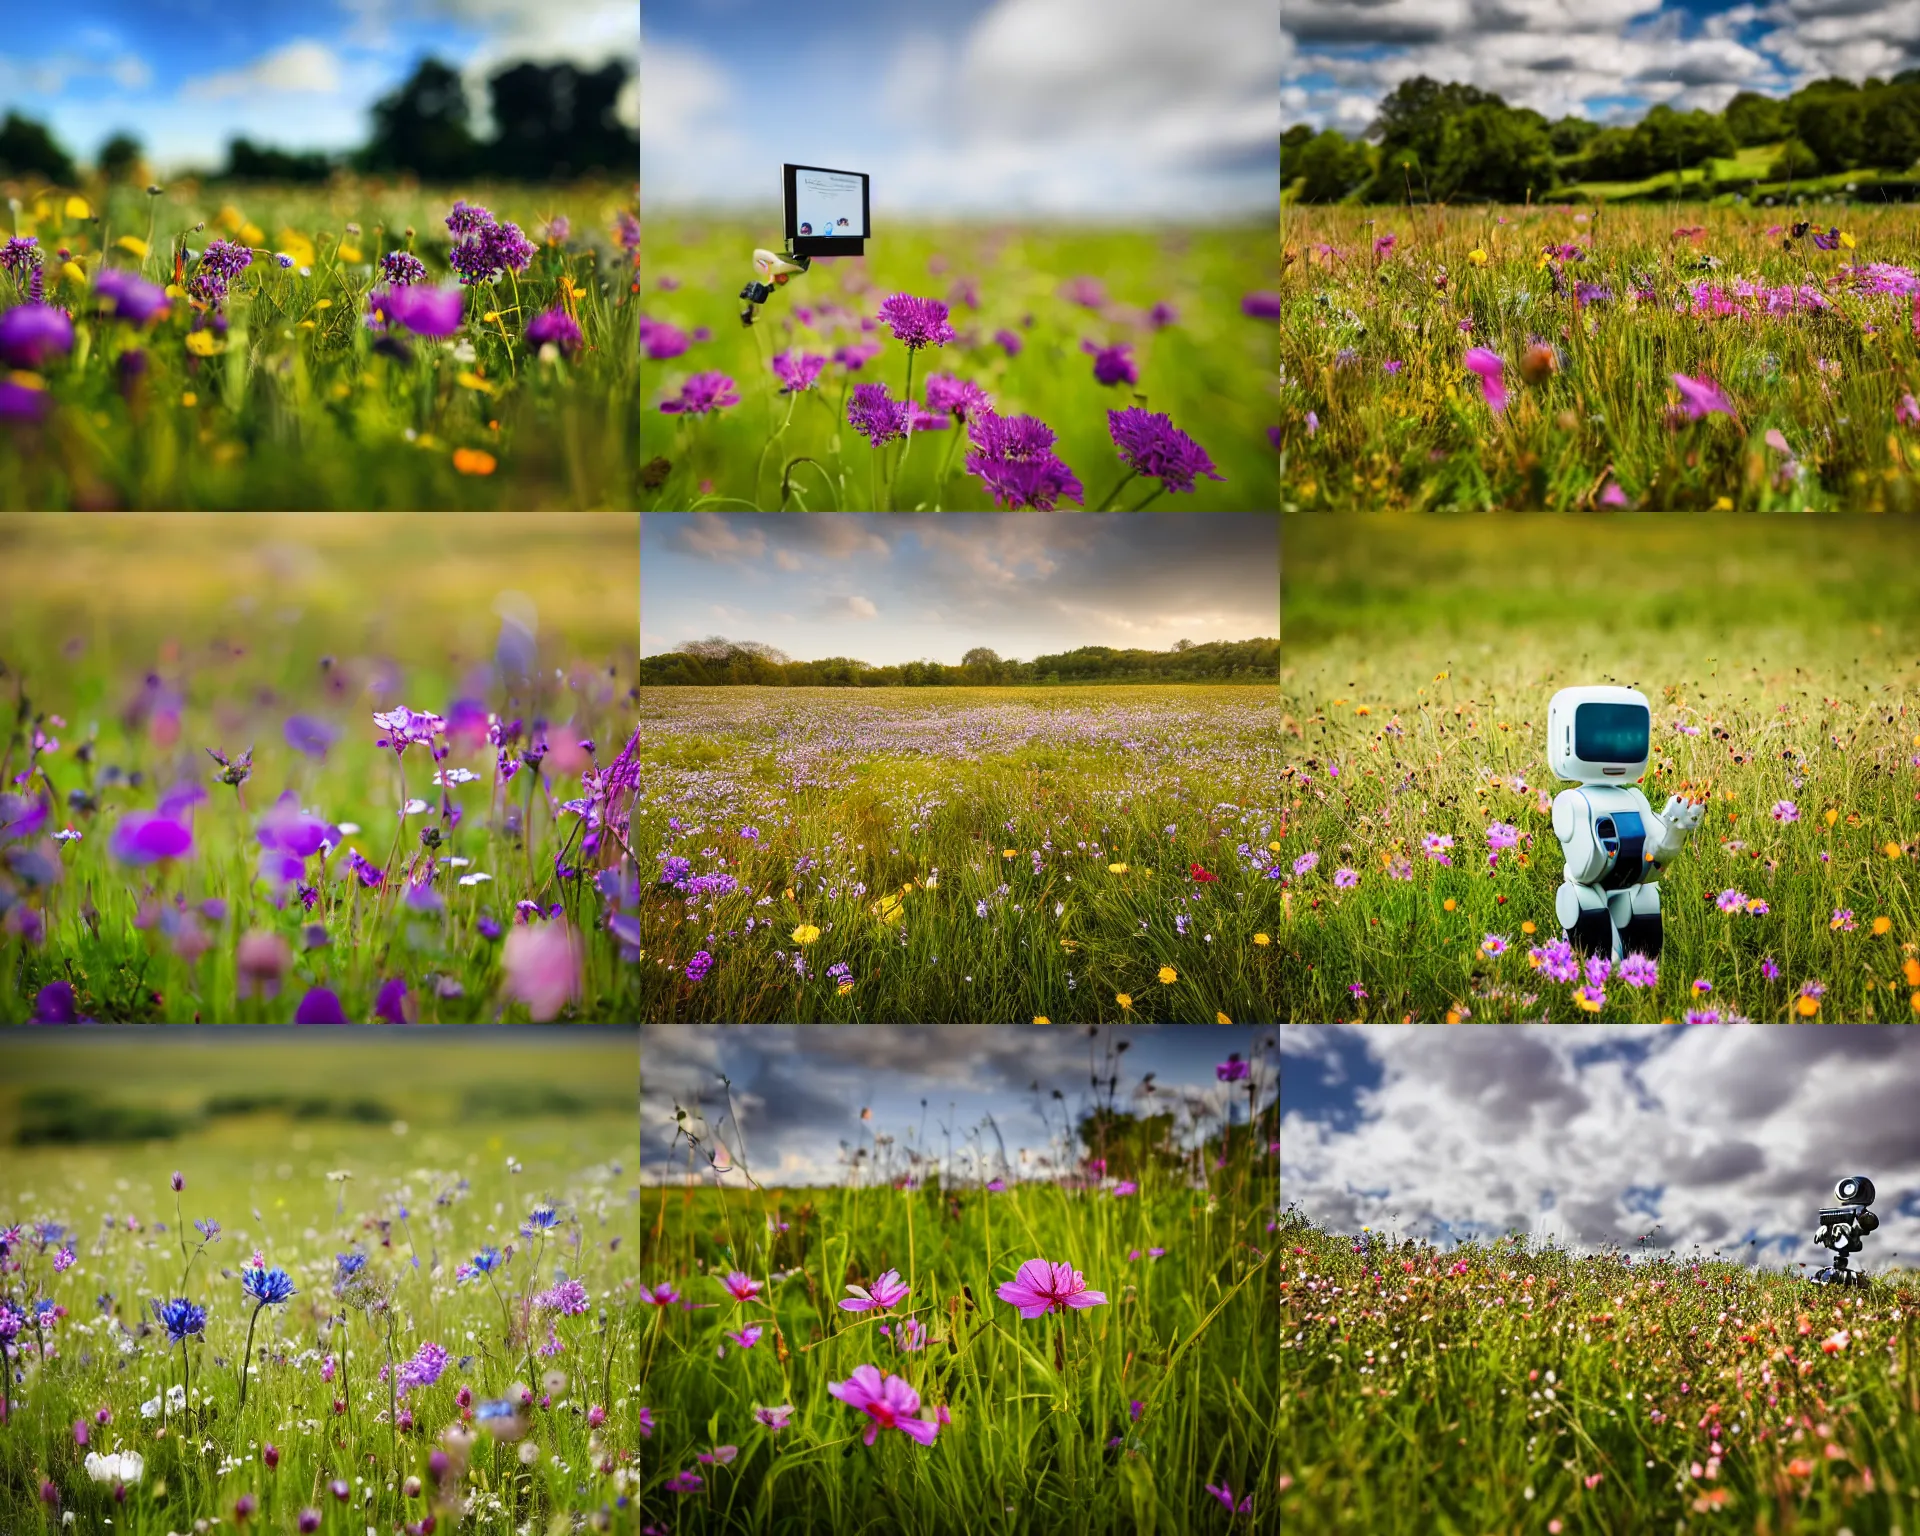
[(1505, 1385), (317, 1288), (315, 768), (1678, 357), (961, 369), (1417, 855), (968, 855), (1077, 1340), (365, 346)]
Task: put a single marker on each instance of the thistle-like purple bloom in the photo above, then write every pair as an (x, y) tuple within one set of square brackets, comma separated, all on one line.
[(469, 218), (288, 829), (418, 307), (558, 327), (1112, 365), (887, 1289), (401, 268), (878, 417), (225, 259), (1151, 445), (1036, 484), (32, 333), (1039, 1287), (489, 251), (569, 1298), (20, 255), (1009, 341), (916, 322), (319, 1006), (701, 394), (1232, 1070), (960, 396), (141, 838), (424, 1369), (797, 370), (855, 357), (1260, 306), (661, 340), (133, 298)]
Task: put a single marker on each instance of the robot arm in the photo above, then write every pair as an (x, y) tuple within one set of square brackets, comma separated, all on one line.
[(1669, 829), (1586, 860)]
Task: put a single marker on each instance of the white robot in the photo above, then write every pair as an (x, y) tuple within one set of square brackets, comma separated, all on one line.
[(1609, 905)]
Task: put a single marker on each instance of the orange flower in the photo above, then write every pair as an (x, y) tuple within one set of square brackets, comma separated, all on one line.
[(1807, 1007), (1882, 925), (474, 461)]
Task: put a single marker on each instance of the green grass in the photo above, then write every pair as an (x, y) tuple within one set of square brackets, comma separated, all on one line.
[(1501, 1387), (1034, 1404), (249, 621), (295, 408), (1212, 371), (1419, 658), (947, 799), (433, 1187), (1596, 428)]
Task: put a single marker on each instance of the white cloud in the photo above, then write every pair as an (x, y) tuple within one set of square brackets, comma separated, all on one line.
[(852, 606), (302, 67)]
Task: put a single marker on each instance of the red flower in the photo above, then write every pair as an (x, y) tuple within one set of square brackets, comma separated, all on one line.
[(1197, 873)]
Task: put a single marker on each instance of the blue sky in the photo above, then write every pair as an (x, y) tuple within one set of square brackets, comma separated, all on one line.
[(1099, 109), (1727, 1138), (798, 1090), (895, 587), (1605, 59), (185, 76)]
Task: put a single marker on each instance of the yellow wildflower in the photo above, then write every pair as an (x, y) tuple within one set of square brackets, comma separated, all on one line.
[(77, 208), (350, 253), (204, 344), (1123, 999), (134, 245), (1262, 940), (1041, 1018), (1881, 926), (1168, 975), (468, 379), (1221, 1018), (806, 933), (1116, 869), (1477, 256), (189, 399)]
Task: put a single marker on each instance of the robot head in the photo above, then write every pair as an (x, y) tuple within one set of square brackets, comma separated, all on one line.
[(1599, 734), (1857, 1189)]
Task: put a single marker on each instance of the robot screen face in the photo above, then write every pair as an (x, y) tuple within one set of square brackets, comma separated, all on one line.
[(1612, 733)]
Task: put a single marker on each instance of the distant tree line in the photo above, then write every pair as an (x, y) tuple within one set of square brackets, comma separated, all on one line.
[(1441, 142), (718, 662), (551, 122)]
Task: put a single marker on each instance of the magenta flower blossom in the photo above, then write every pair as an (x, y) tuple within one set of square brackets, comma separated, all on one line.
[(662, 1295), (1224, 1493), (797, 370), (489, 250), (720, 1455), (885, 1399), (1039, 1287), (855, 357), (1785, 811), (685, 1482), (556, 326), (996, 1186), (701, 394), (30, 334), (662, 340), (1112, 365), (776, 1419), (1345, 879), (1701, 397), (916, 322), (407, 727), (945, 392), (1124, 1188), (1769, 968), (887, 1289), (320, 1006), (569, 1298), (1907, 412), (424, 1369), (646, 1423), (1150, 444), (1088, 292), (746, 1337), (1730, 900), (1637, 970), (542, 964), (1232, 1070), (20, 255), (1260, 306), (418, 307), (141, 838), (402, 267), (132, 297), (1009, 341), (1037, 484), (1491, 368), (876, 415), (740, 1287)]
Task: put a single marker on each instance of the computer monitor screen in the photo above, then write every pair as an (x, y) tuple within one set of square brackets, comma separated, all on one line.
[(827, 211)]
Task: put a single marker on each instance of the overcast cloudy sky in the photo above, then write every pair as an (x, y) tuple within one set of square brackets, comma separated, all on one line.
[(1605, 59), (1590, 1135), (185, 76), (798, 1090), (1115, 109), (889, 587)]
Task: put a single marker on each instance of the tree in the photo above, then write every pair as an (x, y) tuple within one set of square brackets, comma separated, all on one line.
[(1794, 160), (27, 148), (982, 665), (1892, 127), (1294, 140), (1331, 166), (1492, 152), (422, 127), (1833, 124), (1570, 135), (554, 121), (1755, 119), (119, 157), (247, 161)]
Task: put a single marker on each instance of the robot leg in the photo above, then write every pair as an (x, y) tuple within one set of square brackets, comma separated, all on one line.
[(1642, 932), (1582, 910)]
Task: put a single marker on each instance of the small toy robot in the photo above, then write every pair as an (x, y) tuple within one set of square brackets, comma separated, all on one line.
[(774, 267), (1844, 1228), (1615, 845)]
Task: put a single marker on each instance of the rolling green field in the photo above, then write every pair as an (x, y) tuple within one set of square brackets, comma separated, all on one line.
[(411, 1154), (1800, 361), (280, 395), (1124, 1416), (1505, 1387), (132, 644), (1211, 369), (967, 855), (1418, 659)]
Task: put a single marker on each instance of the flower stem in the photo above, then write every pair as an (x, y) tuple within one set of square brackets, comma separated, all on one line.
[(247, 1359), (1112, 494), (1156, 491)]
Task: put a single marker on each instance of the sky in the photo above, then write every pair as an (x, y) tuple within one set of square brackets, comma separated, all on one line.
[(1609, 60), (888, 588), (798, 1090), (186, 76), (1721, 1136), (1091, 109)]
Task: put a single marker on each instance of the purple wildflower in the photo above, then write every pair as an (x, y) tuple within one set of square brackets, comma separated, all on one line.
[(132, 296), (555, 326), (854, 358), (1489, 366), (797, 370), (1150, 444), (402, 267), (1701, 397), (469, 218), (701, 394), (141, 838), (53, 1004), (1112, 365), (424, 1369), (32, 333), (1088, 292), (20, 255), (1261, 306), (319, 1006), (916, 322), (661, 340), (699, 965), (1010, 341), (489, 251), (945, 392), (1162, 315), (21, 401), (877, 417), (423, 309)]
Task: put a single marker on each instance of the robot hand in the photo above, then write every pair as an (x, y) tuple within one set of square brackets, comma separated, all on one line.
[(1683, 815)]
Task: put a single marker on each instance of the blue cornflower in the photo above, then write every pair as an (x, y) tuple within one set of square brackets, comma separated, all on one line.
[(494, 1408), (266, 1286), (485, 1262), (181, 1318), (347, 1265), (544, 1219)]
